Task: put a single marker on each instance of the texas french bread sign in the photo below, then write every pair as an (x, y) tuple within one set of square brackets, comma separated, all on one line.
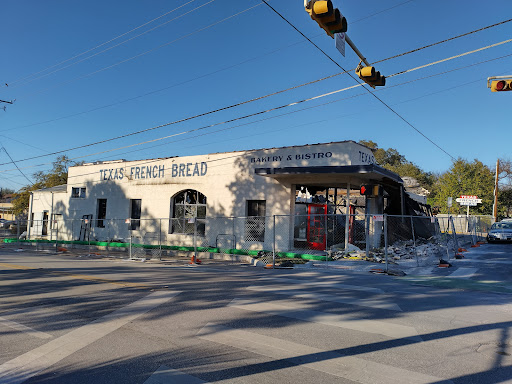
[(469, 200)]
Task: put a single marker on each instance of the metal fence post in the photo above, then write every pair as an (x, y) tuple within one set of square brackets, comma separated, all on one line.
[(108, 236), (325, 234), (130, 249), (414, 243), (274, 245), (386, 240), (367, 234), (56, 236), (17, 232), (195, 239), (160, 239), (88, 238)]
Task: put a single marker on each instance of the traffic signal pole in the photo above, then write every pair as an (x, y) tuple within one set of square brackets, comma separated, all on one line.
[(495, 205), (357, 51)]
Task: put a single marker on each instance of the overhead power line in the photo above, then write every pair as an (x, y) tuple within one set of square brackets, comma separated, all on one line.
[(353, 78), (102, 44), (211, 112), (143, 53), (268, 118), (274, 93), (16, 165), (445, 40)]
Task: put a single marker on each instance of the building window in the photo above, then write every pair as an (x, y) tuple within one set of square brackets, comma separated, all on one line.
[(255, 221), (188, 213), (102, 213), (78, 193), (135, 209)]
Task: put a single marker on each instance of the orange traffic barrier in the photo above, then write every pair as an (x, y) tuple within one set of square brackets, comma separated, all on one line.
[(475, 245), (194, 260), (462, 250), (444, 264)]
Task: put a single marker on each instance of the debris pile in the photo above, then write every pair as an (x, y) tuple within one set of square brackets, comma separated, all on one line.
[(399, 251)]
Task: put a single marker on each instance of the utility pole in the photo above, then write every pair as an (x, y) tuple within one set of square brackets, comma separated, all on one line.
[(495, 206)]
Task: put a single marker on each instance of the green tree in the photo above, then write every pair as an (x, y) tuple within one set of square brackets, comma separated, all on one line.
[(394, 161), (58, 175), (5, 191), (505, 188), (505, 202), (465, 178)]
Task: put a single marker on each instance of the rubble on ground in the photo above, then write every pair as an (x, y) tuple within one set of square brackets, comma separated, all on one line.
[(398, 251)]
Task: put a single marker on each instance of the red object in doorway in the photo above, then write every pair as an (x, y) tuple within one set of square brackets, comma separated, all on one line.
[(317, 217), (352, 211)]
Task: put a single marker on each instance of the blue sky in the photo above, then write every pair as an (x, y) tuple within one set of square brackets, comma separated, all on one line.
[(207, 55)]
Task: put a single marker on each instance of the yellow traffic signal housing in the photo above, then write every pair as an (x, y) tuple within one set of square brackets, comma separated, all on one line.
[(501, 85), (370, 76), (329, 19)]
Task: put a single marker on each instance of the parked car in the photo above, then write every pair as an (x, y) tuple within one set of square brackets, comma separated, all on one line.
[(5, 224), (501, 231)]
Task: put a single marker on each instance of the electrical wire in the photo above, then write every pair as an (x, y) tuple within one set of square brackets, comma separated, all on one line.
[(268, 118), (139, 55), (353, 78), (245, 61), (117, 45), (10, 84), (16, 165), (239, 118), (445, 40)]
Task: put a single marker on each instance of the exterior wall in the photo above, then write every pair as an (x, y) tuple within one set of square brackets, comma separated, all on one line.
[(227, 180), (51, 202), (6, 211)]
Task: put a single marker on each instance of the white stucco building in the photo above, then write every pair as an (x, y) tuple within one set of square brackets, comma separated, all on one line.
[(177, 196)]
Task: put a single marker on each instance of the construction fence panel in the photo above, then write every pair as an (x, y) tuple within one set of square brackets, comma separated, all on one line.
[(317, 237)]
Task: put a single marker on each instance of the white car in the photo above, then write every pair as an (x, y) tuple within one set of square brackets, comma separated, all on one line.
[(501, 231)]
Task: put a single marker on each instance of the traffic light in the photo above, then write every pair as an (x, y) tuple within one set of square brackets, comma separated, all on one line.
[(370, 76), (328, 18), (501, 85), (371, 190)]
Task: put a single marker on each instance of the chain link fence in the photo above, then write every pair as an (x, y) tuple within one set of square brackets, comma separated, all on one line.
[(266, 240)]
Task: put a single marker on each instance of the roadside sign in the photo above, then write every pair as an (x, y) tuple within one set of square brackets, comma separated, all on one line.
[(469, 200), (339, 41), (378, 217)]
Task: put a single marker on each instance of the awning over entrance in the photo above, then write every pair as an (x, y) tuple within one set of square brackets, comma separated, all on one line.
[(335, 176)]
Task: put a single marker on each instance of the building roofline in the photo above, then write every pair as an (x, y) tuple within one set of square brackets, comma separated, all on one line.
[(57, 188), (99, 162)]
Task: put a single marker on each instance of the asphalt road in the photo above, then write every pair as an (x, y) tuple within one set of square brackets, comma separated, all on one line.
[(65, 319)]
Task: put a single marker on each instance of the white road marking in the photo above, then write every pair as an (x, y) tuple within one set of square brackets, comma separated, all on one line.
[(296, 311), (420, 271), (31, 363), (376, 302), (336, 364), (463, 272), (484, 261), (23, 328), (166, 375), (329, 284)]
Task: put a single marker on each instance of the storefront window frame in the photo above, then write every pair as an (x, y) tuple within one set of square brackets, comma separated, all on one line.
[(188, 213)]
